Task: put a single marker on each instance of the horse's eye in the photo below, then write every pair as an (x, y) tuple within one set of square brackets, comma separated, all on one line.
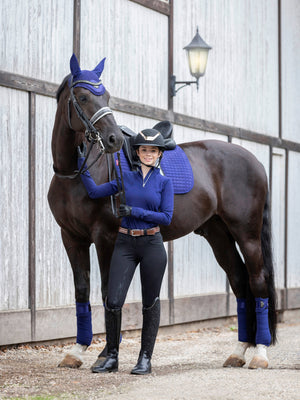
[(83, 98)]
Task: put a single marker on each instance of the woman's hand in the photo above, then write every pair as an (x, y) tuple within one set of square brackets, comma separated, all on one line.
[(81, 150), (124, 210)]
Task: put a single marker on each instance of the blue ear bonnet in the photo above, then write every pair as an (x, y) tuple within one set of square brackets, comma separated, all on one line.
[(92, 81), (98, 89)]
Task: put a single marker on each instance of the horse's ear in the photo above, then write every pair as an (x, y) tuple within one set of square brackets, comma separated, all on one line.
[(74, 65), (100, 67)]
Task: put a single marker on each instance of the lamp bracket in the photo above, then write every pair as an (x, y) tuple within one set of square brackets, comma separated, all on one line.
[(173, 84)]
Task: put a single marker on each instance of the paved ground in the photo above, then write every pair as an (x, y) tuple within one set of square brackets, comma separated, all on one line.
[(186, 366)]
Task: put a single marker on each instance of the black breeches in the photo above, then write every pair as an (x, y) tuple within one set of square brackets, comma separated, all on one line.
[(129, 251)]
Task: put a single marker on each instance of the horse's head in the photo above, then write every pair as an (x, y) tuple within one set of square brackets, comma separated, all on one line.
[(90, 111)]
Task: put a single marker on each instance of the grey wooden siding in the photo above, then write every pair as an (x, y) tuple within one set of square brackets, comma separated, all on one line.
[(53, 273), (290, 70), (278, 213), (135, 41), (240, 87), (14, 200), (249, 96), (35, 37), (293, 266)]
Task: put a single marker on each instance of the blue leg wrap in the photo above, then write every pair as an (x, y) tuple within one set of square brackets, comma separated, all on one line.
[(242, 320), (263, 335), (84, 323)]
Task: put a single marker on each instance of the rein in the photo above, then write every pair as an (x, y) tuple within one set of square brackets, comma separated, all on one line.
[(79, 172), (121, 187)]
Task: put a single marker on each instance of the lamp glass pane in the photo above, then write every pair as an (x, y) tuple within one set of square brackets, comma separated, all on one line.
[(197, 61)]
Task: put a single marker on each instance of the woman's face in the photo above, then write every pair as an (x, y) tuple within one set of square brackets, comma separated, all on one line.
[(148, 154)]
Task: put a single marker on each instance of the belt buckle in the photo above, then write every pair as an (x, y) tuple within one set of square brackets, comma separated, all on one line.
[(135, 232)]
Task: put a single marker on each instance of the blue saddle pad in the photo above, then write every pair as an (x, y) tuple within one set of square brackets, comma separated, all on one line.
[(175, 165)]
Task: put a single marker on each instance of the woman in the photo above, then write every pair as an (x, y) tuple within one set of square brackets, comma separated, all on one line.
[(150, 201)]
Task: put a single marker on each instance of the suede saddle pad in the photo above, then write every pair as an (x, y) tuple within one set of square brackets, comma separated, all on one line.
[(174, 164)]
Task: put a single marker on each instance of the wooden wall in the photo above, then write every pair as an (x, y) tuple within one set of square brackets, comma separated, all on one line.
[(249, 96)]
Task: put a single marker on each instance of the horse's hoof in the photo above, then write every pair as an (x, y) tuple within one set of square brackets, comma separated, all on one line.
[(70, 361), (234, 361), (258, 362)]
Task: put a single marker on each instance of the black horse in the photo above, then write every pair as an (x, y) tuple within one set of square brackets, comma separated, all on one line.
[(227, 205)]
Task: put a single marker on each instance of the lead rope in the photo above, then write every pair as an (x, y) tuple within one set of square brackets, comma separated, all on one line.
[(113, 197), (122, 193), (121, 187)]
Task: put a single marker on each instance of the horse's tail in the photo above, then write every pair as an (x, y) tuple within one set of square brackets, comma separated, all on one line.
[(266, 245)]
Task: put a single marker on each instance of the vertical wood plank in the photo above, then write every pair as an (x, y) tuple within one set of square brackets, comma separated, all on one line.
[(76, 28), (170, 53), (279, 72), (32, 220), (171, 281), (278, 209)]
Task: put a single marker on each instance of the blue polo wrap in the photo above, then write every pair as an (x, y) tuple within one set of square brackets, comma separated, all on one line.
[(242, 320), (84, 323), (263, 335)]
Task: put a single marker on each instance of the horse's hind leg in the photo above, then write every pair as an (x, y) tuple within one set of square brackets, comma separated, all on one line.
[(254, 242), (78, 253), (258, 281), (223, 245)]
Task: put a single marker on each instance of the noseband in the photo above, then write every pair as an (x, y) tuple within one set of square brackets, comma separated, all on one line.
[(91, 133)]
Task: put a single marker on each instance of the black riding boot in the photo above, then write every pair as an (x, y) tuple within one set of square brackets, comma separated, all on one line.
[(113, 329), (151, 317)]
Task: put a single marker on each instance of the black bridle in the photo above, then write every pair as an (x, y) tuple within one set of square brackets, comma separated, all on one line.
[(92, 135)]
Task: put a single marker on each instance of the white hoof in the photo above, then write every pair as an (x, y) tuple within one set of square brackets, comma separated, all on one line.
[(260, 359), (237, 358), (73, 359), (234, 361)]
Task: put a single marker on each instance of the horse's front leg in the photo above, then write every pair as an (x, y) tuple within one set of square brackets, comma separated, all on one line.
[(104, 246), (78, 253)]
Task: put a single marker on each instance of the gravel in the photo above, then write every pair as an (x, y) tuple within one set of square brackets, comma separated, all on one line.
[(186, 366)]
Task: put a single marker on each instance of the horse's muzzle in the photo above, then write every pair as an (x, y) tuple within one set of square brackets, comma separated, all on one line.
[(113, 142)]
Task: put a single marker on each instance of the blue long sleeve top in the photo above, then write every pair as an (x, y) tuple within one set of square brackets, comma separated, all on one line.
[(151, 198)]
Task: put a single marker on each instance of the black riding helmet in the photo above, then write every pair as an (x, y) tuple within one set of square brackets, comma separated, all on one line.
[(149, 137)]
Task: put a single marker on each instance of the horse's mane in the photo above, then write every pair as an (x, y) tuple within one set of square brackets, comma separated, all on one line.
[(61, 87)]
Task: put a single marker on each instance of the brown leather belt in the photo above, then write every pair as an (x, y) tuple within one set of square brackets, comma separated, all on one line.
[(139, 232)]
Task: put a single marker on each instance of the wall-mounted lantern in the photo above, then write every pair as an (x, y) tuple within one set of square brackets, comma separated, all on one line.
[(197, 53)]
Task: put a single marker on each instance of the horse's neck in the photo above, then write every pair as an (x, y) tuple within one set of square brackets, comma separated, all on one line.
[(102, 167), (63, 145)]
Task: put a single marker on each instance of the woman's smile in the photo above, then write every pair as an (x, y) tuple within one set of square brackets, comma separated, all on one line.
[(149, 154)]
